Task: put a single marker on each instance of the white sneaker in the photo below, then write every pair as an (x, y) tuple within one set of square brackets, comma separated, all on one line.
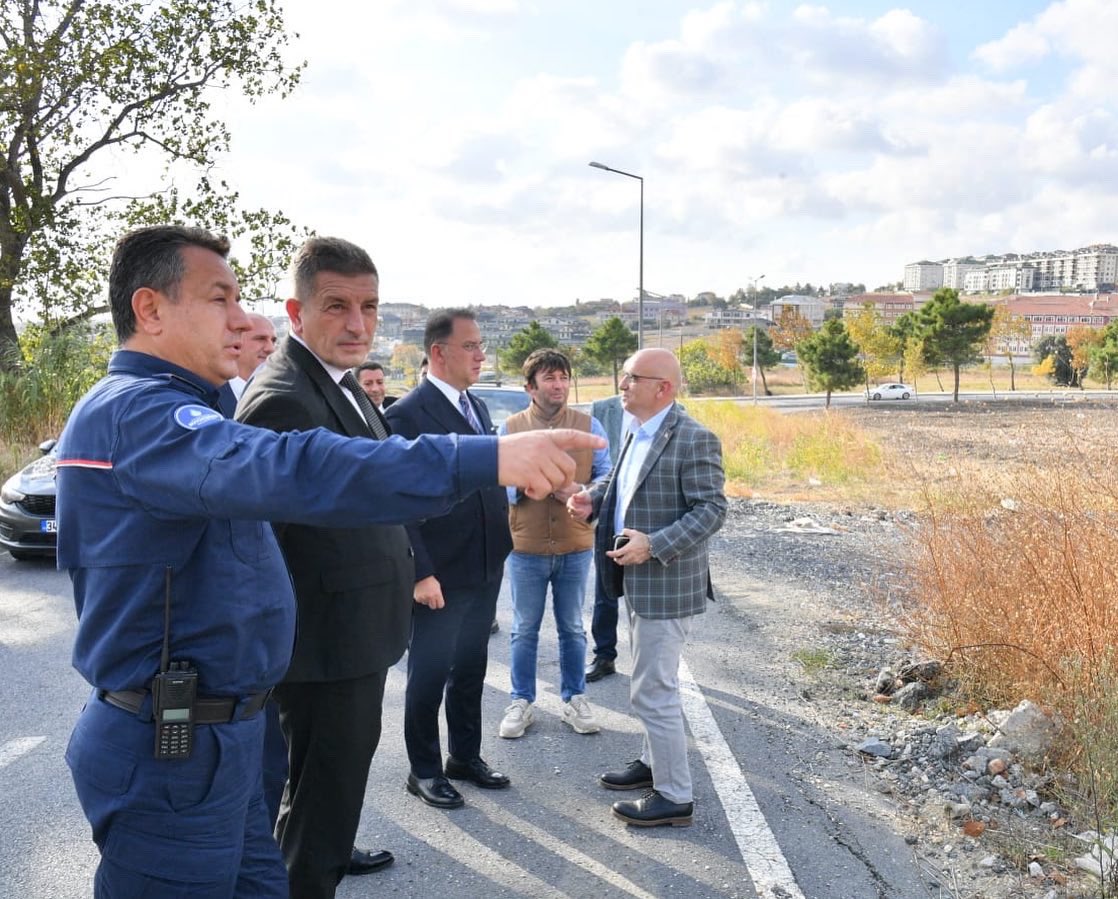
[(578, 714), (517, 718)]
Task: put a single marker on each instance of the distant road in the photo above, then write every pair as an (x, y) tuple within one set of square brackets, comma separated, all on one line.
[(805, 401)]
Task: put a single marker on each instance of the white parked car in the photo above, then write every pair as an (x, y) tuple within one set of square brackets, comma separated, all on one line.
[(890, 392)]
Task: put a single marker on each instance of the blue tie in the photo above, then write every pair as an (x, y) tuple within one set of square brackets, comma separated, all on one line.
[(468, 412)]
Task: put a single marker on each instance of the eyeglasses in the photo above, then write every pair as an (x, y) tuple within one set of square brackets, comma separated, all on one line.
[(471, 347), (629, 376)]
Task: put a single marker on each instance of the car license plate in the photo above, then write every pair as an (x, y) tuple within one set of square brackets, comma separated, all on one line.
[(48, 526)]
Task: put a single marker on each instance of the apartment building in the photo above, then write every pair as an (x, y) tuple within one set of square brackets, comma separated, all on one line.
[(956, 270), (1091, 268), (923, 275), (1001, 277), (811, 308)]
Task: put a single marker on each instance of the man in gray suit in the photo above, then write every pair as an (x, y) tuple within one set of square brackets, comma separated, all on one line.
[(656, 513)]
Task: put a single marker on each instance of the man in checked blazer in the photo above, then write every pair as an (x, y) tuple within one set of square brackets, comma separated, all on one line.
[(664, 499)]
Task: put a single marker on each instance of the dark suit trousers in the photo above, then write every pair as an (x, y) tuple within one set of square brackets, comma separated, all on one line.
[(603, 623), (448, 654), (332, 730)]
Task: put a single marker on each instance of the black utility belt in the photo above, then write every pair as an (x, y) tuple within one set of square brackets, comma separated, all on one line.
[(205, 709)]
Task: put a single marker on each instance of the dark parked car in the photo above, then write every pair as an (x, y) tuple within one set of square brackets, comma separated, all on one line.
[(502, 401), (27, 523)]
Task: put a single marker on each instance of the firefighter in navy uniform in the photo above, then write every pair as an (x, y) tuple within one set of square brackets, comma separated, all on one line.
[(162, 510)]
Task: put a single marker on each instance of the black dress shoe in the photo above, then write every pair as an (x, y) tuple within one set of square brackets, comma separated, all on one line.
[(599, 668), (363, 862), (636, 775), (653, 810), (436, 791), (476, 772)]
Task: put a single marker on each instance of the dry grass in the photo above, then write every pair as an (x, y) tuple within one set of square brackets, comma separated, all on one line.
[(1015, 585), (781, 454)]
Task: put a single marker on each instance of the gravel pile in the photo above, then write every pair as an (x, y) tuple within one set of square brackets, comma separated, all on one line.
[(981, 819)]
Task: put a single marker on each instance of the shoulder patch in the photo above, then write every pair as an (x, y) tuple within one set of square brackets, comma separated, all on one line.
[(194, 417)]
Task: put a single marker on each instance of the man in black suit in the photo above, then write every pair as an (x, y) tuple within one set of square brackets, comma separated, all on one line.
[(370, 375), (459, 561), (353, 585)]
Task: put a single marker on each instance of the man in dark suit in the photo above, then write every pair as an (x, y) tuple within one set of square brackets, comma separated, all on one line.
[(370, 375), (603, 623), (353, 585), (659, 507), (459, 561)]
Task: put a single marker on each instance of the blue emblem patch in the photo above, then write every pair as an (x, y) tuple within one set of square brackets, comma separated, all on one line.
[(194, 417)]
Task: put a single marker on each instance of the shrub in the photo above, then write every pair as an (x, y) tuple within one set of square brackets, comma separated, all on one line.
[(53, 373)]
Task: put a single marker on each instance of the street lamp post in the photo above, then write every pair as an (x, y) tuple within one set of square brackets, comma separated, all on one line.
[(753, 309), (640, 273)]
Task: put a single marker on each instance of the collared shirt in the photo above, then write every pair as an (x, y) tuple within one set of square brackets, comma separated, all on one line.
[(451, 393), (336, 374), (629, 466)]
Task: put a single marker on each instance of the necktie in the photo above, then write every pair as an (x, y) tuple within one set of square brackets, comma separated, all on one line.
[(468, 411), (349, 382)]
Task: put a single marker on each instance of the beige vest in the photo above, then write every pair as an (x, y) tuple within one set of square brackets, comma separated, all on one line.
[(543, 527)]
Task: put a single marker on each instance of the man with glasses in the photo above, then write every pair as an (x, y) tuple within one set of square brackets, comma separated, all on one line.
[(656, 513), (459, 562)]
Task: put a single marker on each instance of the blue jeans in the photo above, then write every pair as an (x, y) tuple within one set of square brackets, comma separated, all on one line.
[(529, 576)]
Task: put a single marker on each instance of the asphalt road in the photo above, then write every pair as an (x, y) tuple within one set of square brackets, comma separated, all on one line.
[(801, 402), (781, 809)]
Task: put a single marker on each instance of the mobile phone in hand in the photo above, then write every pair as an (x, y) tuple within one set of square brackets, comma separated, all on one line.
[(619, 541)]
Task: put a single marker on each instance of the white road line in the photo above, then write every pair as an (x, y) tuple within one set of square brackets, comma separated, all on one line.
[(15, 749), (767, 866)]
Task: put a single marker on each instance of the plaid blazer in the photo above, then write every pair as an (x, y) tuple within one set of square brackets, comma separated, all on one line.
[(679, 503)]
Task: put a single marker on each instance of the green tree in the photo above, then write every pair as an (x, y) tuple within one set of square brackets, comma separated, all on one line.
[(702, 370), (767, 355), (86, 81), (954, 332), (611, 344), (522, 344), (830, 359), (1053, 356), (905, 329), (1104, 357), (880, 348)]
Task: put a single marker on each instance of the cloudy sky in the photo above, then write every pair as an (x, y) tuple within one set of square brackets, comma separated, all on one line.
[(811, 143)]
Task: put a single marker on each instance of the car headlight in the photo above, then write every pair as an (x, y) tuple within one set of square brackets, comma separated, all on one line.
[(10, 494)]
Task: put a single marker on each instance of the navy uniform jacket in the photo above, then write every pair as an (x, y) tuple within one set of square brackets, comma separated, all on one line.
[(151, 477), (468, 546)]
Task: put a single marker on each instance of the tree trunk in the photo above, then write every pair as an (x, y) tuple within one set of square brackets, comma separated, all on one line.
[(956, 395), (827, 404), (764, 382), (615, 385), (9, 340), (1012, 373)]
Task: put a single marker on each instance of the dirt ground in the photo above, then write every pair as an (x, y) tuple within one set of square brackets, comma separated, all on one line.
[(926, 443)]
